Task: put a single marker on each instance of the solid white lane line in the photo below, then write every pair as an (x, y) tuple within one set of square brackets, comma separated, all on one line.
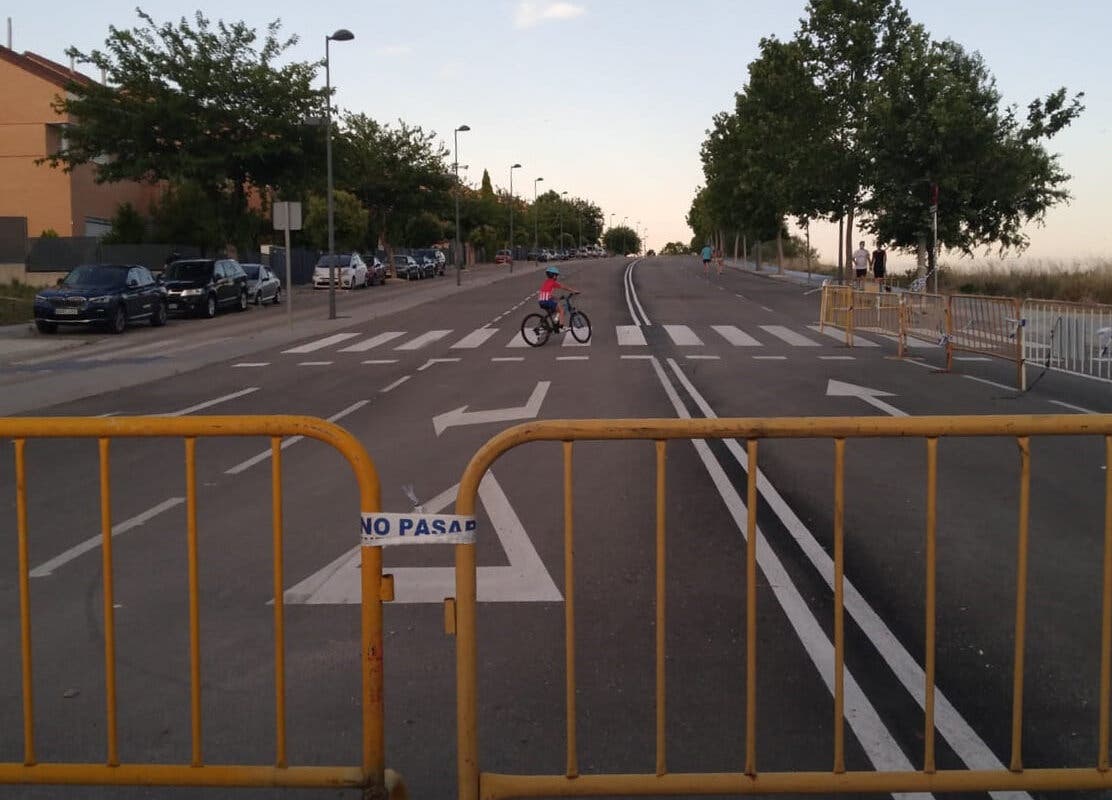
[(252, 364), (919, 363), (960, 736), (990, 383), (633, 294), (92, 543), (1072, 407), (432, 361), (630, 336), (573, 358), (629, 297), (508, 358), (871, 732), (837, 358), (788, 335), (374, 341), (476, 338), (320, 344), (972, 358), (840, 336), (703, 358), (314, 363), (424, 339), (396, 384), (637, 358), (735, 336), (770, 358), (265, 454), (210, 403), (381, 361), (683, 336)]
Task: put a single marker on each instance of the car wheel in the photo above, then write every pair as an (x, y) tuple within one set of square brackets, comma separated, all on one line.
[(242, 301), (119, 320), (46, 327), (277, 296), (160, 315), (258, 297), (210, 307)]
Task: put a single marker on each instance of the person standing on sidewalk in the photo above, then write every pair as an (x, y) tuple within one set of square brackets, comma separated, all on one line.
[(861, 261), (880, 264), (706, 255)]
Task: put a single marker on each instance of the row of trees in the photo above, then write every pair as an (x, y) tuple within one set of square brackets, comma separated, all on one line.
[(863, 119), (214, 113)]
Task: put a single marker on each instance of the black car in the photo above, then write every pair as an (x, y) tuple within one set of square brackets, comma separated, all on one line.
[(111, 295), (204, 285)]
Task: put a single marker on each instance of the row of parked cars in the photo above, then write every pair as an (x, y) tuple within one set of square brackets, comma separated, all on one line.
[(545, 254)]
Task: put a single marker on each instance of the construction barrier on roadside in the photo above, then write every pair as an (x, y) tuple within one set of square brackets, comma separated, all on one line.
[(924, 317), (461, 617), (369, 775), (876, 312), (836, 306), (1068, 337), (991, 326)]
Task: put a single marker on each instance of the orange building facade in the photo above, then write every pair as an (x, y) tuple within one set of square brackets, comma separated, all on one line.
[(70, 204)]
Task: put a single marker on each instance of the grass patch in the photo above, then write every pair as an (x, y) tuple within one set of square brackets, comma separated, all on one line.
[(16, 303)]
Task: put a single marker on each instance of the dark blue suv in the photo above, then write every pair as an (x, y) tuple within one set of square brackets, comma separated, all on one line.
[(111, 295)]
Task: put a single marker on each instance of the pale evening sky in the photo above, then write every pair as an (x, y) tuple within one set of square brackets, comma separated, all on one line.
[(610, 99)]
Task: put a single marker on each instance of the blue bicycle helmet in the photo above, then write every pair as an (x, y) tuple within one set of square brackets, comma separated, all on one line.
[(551, 271)]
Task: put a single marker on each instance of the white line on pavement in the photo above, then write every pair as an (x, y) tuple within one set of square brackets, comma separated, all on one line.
[(990, 383), (314, 363), (704, 358), (210, 403), (263, 456), (92, 543), (1071, 407), (637, 358), (432, 361), (770, 358), (252, 364), (836, 358), (508, 358), (396, 384), (381, 361), (573, 358), (320, 344)]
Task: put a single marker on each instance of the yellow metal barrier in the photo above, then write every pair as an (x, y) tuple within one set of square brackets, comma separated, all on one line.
[(991, 326), (369, 775), (474, 783), (925, 316)]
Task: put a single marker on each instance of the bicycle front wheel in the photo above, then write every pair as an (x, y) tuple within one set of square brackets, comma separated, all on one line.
[(534, 330), (580, 327)]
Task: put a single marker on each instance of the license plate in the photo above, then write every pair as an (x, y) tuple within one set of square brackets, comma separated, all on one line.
[(173, 306), (65, 312)]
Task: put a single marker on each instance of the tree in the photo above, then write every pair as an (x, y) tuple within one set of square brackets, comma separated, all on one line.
[(128, 226), (194, 103), (622, 239), (349, 221), (675, 249)]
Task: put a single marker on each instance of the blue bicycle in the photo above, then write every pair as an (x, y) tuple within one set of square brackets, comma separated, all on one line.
[(537, 327)]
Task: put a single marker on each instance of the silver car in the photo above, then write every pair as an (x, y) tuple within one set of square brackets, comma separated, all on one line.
[(263, 285)]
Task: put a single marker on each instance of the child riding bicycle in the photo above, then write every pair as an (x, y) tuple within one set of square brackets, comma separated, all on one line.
[(545, 298)]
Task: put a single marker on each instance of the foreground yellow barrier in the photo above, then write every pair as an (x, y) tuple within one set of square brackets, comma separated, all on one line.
[(462, 613), (369, 775)]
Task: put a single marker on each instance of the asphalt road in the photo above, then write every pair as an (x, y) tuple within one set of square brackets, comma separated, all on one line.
[(666, 342)]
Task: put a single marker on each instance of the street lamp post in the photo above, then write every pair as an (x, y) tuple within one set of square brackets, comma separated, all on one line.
[(625, 238), (536, 216), (512, 168), (455, 165), (561, 245), (611, 225), (342, 35)]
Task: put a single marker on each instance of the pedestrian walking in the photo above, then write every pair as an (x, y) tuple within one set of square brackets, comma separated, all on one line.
[(880, 264), (861, 261), (706, 255)]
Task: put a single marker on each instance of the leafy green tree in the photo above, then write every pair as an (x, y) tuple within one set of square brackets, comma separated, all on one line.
[(128, 226), (675, 249), (209, 105), (349, 221), (622, 239), (187, 214), (425, 229)]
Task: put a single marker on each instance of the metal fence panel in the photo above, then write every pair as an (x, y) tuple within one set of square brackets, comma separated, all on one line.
[(1068, 337)]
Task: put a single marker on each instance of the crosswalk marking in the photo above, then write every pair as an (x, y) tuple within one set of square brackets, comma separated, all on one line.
[(840, 336), (128, 352), (314, 363), (735, 336), (683, 336), (374, 341), (912, 342), (630, 335), (517, 341), (788, 335), (569, 341), (320, 344), (476, 338), (424, 339)]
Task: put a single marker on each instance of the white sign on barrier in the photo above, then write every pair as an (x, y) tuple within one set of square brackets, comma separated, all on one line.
[(380, 530)]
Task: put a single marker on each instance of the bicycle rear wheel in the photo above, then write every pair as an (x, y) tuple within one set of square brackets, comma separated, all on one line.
[(534, 330), (580, 327)]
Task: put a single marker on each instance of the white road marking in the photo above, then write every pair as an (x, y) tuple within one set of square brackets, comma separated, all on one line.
[(840, 336), (573, 358), (314, 363), (864, 393), (525, 579), (211, 403), (1071, 407), (972, 358), (735, 336), (637, 358), (837, 358), (373, 342), (770, 358), (424, 339), (320, 344), (789, 336), (569, 340), (127, 352), (461, 416), (517, 341), (289, 442), (683, 336), (396, 384), (252, 364), (109, 414), (875, 739), (433, 361), (476, 338), (508, 358), (961, 737), (919, 363), (381, 361), (703, 358), (92, 543), (769, 310), (630, 336), (990, 383), (912, 342)]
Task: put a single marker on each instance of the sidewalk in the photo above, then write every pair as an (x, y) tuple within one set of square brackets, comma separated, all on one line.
[(770, 271)]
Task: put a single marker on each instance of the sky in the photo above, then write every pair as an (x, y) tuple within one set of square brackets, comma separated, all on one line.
[(609, 100)]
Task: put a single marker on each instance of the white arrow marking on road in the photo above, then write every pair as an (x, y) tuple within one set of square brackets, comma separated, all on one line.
[(870, 396), (461, 416), (524, 580)]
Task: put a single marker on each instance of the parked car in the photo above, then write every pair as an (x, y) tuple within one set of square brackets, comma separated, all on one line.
[(204, 285), (111, 295), (504, 257), (263, 285), (532, 255), (544, 255), (406, 267), (376, 272), (429, 268), (441, 260), (349, 268)]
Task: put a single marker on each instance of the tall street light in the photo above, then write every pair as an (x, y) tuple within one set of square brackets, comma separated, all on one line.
[(561, 245), (342, 35), (455, 165), (512, 168), (611, 224), (625, 238), (536, 216)]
